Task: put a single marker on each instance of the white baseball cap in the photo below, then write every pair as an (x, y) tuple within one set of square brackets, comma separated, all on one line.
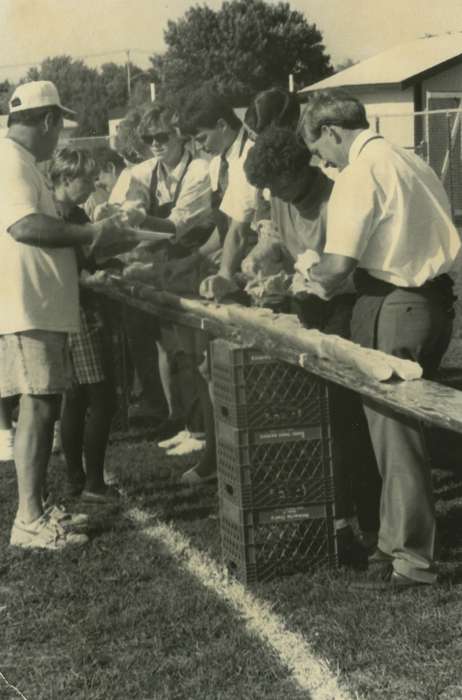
[(38, 93)]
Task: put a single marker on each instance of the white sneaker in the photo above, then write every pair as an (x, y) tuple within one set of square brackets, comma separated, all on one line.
[(187, 447), (67, 520), (175, 440), (6, 445), (44, 533)]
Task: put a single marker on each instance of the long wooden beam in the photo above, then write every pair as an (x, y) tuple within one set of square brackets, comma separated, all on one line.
[(282, 337)]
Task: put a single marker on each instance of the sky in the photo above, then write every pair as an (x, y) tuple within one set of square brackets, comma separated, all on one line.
[(31, 30)]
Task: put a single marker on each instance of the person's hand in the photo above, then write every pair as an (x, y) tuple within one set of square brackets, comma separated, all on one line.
[(181, 266), (111, 236), (251, 266), (133, 215), (301, 284), (144, 272), (264, 259), (266, 263), (138, 270), (182, 276), (298, 284), (102, 211), (217, 287)]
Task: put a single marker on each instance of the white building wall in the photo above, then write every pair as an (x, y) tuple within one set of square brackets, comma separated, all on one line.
[(391, 109)]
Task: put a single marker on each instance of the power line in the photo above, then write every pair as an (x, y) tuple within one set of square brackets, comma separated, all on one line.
[(88, 55)]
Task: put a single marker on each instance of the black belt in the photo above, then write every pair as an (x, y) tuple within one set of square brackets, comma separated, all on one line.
[(440, 288)]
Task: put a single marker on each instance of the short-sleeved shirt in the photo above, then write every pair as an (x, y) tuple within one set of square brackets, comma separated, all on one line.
[(240, 199), (119, 191), (38, 286), (390, 212), (186, 187), (302, 225)]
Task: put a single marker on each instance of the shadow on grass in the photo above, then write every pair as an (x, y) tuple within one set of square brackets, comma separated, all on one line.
[(135, 435), (187, 514)]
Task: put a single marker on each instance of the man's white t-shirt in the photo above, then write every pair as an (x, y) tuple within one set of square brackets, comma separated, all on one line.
[(38, 286)]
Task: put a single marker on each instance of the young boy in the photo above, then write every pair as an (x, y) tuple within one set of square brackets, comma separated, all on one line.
[(89, 406)]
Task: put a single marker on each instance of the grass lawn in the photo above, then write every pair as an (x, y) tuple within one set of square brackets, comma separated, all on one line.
[(120, 619)]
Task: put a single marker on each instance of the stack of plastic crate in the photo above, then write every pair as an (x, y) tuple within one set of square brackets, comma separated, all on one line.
[(274, 452)]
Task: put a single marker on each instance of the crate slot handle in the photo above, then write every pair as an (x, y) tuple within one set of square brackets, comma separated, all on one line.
[(224, 411)]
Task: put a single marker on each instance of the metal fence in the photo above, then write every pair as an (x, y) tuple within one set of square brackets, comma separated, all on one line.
[(435, 136)]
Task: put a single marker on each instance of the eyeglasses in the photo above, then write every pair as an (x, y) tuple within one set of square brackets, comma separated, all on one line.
[(161, 138)]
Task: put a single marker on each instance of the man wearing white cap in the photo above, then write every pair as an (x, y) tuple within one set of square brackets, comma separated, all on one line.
[(39, 294)]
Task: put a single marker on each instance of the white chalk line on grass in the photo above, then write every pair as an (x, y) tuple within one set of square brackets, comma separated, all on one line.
[(13, 687), (309, 672)]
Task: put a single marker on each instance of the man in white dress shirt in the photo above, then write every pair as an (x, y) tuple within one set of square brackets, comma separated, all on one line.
[(389, 219)]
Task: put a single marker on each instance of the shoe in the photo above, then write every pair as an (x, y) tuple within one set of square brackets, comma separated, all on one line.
[(167, 429), (186, 447), (6, 445), (175, 440), (109, 496), (192, 478), (389, 581), (379, 558), (400, 582), (67, 520), (384, 578), (351, 553), (44, 533), (369, 541)]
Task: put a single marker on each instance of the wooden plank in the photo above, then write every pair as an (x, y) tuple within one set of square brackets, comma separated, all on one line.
[(427, 401)]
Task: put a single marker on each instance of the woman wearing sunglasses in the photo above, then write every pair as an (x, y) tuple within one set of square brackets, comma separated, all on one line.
[(169, 193)]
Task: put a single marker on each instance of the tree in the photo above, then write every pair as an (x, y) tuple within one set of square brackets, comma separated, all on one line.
[(92, 93), (6, 90), (343, 65), (246, 46), (114, 79), (80, 88)]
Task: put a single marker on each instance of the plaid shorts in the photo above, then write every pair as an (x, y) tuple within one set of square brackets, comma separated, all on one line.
[(86, 349), (34, 363)]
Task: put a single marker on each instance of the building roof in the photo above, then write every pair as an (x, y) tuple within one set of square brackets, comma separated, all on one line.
[(401, 65)]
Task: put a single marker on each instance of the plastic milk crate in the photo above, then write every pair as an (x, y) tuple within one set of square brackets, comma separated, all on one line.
[(275, 467), (253, 390), (264, 544)]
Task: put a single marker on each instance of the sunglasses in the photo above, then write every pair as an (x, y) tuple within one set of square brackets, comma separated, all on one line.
[(161, 138)]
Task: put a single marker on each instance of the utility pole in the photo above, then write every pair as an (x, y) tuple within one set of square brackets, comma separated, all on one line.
[(129, 89)]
